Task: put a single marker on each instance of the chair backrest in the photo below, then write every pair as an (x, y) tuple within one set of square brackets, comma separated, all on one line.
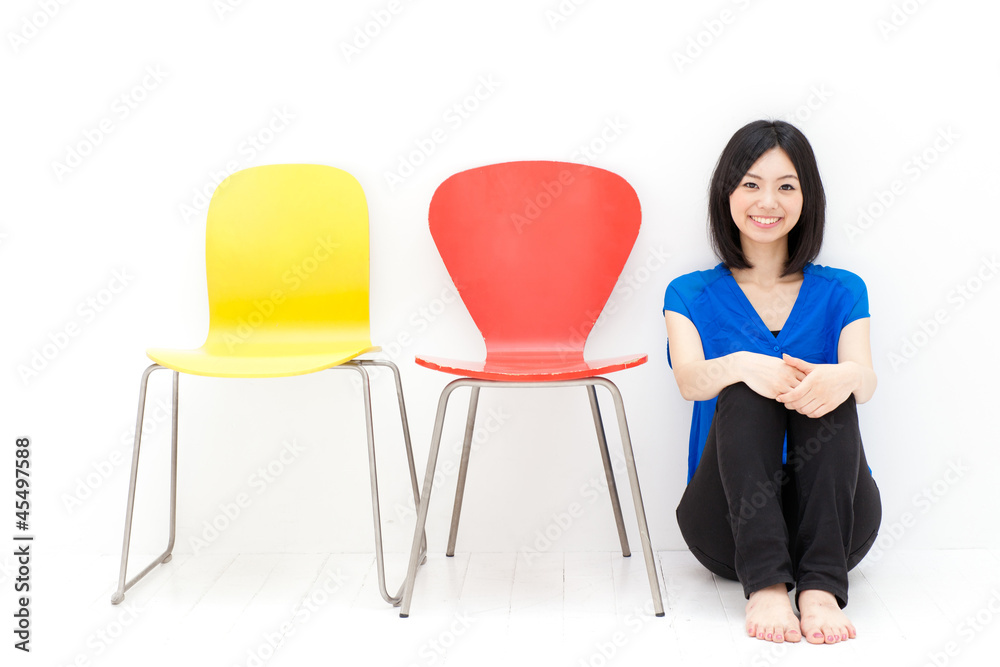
[(535, 249), (286, 252)]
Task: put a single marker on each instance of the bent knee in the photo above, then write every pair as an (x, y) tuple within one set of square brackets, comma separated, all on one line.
[(741, 392)]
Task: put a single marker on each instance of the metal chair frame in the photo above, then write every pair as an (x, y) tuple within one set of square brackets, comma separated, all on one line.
[(416, 555), (357, 365)]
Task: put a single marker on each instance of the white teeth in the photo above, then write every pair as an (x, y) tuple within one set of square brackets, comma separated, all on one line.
[(764, 221)]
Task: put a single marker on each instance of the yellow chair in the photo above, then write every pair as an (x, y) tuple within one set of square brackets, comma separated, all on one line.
[(286, 257)]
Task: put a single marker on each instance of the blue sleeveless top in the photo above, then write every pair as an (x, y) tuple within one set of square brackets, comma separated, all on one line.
[(828, 300)]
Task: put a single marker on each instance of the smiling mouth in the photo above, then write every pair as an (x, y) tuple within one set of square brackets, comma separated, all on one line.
[(767, 221)]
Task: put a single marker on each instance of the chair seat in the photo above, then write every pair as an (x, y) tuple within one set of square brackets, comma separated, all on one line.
[(532, 366), (259, 360)]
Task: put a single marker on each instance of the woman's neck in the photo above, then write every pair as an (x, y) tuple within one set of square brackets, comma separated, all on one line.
[(767, 262)]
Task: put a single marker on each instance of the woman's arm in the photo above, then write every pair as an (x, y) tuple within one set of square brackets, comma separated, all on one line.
[(828, 385), (855, 349), (699, 379)]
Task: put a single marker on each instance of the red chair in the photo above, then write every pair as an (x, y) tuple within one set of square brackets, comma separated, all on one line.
[(534, 249)]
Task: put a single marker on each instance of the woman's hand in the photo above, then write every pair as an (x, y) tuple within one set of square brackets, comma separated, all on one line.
[(769, 376), (824, 388)]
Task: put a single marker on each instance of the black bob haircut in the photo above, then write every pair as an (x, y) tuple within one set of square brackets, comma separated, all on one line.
[(746, 146)]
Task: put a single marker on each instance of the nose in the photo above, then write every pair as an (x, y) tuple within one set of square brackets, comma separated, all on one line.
[(767, 200)]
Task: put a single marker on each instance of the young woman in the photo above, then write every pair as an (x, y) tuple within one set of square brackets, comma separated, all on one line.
[(775, 352)]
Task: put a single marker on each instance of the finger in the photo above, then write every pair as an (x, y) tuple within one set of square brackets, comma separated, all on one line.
[(789, 400), (819, 411), (807, 406), (788, 396), (797, 363), (795, 393), (790, 360)]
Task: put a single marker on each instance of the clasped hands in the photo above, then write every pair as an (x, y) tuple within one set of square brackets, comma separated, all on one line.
[(824, 387), (810, 389)]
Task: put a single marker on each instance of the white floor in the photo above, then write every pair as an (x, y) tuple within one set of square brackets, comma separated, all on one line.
[(912, 608)]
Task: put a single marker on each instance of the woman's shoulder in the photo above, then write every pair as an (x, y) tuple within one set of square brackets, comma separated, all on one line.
[(698, 280), (684, 292), (836, 277)]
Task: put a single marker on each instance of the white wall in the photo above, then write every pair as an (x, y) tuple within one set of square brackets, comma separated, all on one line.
[(874, 85)]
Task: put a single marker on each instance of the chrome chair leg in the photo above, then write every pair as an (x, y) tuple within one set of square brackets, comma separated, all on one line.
[(602, 443), (165, 557), (407, 442), (463, 468), (175, 394), (425, 497), (432, 456), (358, 366), (640, 513)]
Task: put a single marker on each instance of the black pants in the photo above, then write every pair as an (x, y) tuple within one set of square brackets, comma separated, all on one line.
[(804, 523)]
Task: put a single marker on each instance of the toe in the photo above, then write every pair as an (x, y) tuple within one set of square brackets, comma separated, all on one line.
[(814, 637)]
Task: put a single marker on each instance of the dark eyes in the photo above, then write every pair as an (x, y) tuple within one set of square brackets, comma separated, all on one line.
[(787, 187)]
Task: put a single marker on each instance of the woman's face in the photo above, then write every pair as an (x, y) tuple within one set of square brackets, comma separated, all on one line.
[(768, 200)]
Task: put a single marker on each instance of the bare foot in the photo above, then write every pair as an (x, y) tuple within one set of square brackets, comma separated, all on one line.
[(823, 622), (770, 616)]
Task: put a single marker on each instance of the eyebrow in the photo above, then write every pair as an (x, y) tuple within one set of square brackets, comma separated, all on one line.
[(751, 175)]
